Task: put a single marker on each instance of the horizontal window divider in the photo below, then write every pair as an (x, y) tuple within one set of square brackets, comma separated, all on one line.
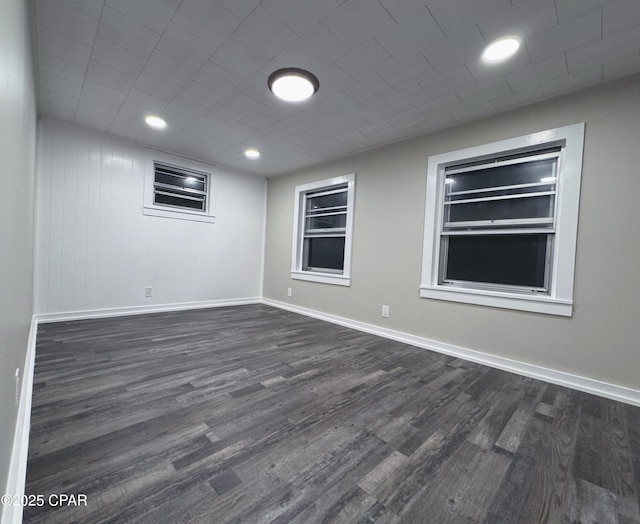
[(505, 288), (499, 188), (533, 221), (179, 188), (182, 197), (523, 231), (323, 234), (501, 197), (326, 193), (328, 214), (489, 163)]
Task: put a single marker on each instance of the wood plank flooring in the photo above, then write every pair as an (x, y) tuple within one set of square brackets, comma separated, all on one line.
[(251, 414)]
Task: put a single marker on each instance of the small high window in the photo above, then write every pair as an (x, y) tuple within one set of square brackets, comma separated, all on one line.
[(323, 227), (178, 192), (502, 220), (180, 188)]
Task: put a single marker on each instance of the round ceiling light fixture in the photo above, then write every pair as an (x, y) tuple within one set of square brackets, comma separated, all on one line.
[(500, 50), (155, 121), (292, 84), (252, 154)]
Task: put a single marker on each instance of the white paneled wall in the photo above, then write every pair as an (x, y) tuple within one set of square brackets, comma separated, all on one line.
[(95, 249)]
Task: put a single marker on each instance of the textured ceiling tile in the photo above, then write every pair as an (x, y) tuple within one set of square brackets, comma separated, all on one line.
[(357, 21), (622, 66), (154, 14), (456, 51), (467, 114), (300, 15), (366, 60), (528, 95), (145, 101), (549, 69), (109, 77), (60, 85), (117, 57), (620, 16), (484, 91), (565, 36), (64, 47), (157, 86), (127, 33), (186, 47), (238, 59), (482, 71), (370, 90), (400, 9), (415, 33), (207, 20), (567, 9), (169, 68), (63, 18), (60, 67), (318, 46), (264, 33), (522, 20), (90, 7), (454, 19), (410, 71), (215, 77), (200, 95), (586, 77), (603, 51), (409, 96), (449, 82)]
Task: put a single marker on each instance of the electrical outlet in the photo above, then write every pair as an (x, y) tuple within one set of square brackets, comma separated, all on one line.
[(385, 311), (148, 291), (17, 386), (289, 292)]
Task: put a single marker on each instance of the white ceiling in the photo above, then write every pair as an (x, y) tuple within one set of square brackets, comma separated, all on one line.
[(388, 69)]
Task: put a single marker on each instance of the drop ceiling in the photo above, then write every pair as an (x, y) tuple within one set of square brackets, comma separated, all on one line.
[(388, 69)]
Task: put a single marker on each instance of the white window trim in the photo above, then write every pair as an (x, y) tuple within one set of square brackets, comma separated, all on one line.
[(560, 298), (297, 272), (151, 209)]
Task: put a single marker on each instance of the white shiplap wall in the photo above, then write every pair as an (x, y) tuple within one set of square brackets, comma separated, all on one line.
[(95, 250)]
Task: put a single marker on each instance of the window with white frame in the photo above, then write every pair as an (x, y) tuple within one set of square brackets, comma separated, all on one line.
[(178, 192), (323, 223), (501, 222)]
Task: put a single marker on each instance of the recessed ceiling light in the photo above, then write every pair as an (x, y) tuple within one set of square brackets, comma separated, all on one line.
[(252, 153), (501, 50), (292, 84), (155, 121)]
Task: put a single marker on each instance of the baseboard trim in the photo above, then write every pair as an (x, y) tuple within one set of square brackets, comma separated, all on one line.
[(18, 464), (588, 385), (141, 310)]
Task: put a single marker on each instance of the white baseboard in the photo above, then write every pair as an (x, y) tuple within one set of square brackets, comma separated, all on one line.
[(18, 464), (588, 385), (141, 310)]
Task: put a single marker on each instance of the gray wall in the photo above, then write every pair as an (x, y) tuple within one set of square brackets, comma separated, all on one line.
[(17, 151), (600, 341)]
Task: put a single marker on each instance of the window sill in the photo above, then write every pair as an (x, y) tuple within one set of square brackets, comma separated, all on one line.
[(180, 215), (535, 304), (324, 278)]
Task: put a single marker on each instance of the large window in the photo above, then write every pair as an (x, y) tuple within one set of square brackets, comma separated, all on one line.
[(178, 191), (322, 231), (501, 222)]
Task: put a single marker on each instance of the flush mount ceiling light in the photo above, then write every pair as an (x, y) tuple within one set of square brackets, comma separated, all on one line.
[(292, 84), (500, 50), (155, 121), (252, 154)]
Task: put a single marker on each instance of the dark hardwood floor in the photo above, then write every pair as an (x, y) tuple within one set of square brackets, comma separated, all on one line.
[(251, 414)]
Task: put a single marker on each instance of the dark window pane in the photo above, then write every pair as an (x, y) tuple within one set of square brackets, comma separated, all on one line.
[(525, 173), (323, 252), (171, 200), (517, 260), (327, 222), (322, 202), (184, 180), (529, 207)]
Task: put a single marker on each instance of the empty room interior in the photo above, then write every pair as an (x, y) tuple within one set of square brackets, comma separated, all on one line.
[(350, 261)]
